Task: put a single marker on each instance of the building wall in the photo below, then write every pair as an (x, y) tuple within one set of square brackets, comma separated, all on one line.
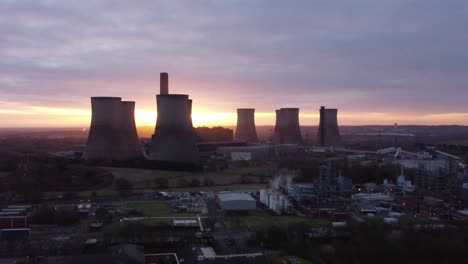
[(238, 205)]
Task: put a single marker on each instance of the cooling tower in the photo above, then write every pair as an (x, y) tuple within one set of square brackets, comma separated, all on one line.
[(245, 129), (329, 134), (105, 131), (131, 148), (175, 139), (113, 134), (287, 129)]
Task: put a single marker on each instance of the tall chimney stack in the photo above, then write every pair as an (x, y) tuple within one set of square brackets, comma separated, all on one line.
[(164, 83)]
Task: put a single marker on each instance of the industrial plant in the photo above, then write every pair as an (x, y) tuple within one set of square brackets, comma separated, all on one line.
[(329, 133), (112, 134)]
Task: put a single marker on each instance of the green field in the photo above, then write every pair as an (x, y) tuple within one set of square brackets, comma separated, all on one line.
[(144, 179), (151, 209), (260, 219)]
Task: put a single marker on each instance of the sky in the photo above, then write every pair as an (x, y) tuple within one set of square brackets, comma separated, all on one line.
[(378, 62)]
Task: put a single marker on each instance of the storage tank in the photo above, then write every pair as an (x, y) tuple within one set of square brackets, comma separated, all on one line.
[(329, 133), (245, 129)]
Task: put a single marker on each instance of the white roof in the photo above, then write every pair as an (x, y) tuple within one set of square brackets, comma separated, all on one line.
[(208, 253), (371, 196), (187, 222), (232, 196), (464, 212)]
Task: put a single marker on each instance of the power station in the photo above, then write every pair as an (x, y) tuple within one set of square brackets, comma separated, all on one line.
[(245, 129), (112, 134), (329, 133), (287, 128), (174, 139)]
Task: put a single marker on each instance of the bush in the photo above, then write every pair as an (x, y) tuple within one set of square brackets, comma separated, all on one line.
[(183, 183), (161, 183), (124, 186), (103, 215), (195, 183), (208, 182)]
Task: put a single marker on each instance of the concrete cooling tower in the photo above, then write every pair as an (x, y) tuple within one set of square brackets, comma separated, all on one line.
[(112, 134), (328, 133), (245, 129), (131, 148), (287, 129), (174, 139)]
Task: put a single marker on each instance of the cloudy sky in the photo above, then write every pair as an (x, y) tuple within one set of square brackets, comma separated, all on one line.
[(379, 62)]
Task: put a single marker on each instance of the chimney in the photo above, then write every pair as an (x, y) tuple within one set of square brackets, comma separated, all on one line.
[(164, 83)]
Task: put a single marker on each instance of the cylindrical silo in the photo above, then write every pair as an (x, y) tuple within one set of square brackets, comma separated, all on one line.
[(287, 129), (329, 133), (104, 139), (245, 129), (131, 148)]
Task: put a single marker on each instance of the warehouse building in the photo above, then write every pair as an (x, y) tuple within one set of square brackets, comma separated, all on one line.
[(233, 201)]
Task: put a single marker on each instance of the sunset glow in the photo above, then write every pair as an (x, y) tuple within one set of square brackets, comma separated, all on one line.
[(55, 56), (35, 116)]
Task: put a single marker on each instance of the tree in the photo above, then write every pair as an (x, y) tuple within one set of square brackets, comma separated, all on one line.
[(70, 196), (124, 186), (208, 182), (161, 183), (183, 183), (103, 215), (195, 183), (245, 179)]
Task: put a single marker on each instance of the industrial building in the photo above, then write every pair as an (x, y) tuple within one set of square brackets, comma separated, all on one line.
[(174, 139), (112, 134), (251, 152), (234, 201), (329, 133), (275, 201), (245, 129), (303, 192), (287, 128)]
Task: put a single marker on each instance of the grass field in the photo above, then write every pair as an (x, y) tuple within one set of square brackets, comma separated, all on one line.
[(302, 261), (144, 179), (151, 209), (260, 219)]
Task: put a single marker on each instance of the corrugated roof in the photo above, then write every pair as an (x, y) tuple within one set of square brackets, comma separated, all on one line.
[(231, 196)]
